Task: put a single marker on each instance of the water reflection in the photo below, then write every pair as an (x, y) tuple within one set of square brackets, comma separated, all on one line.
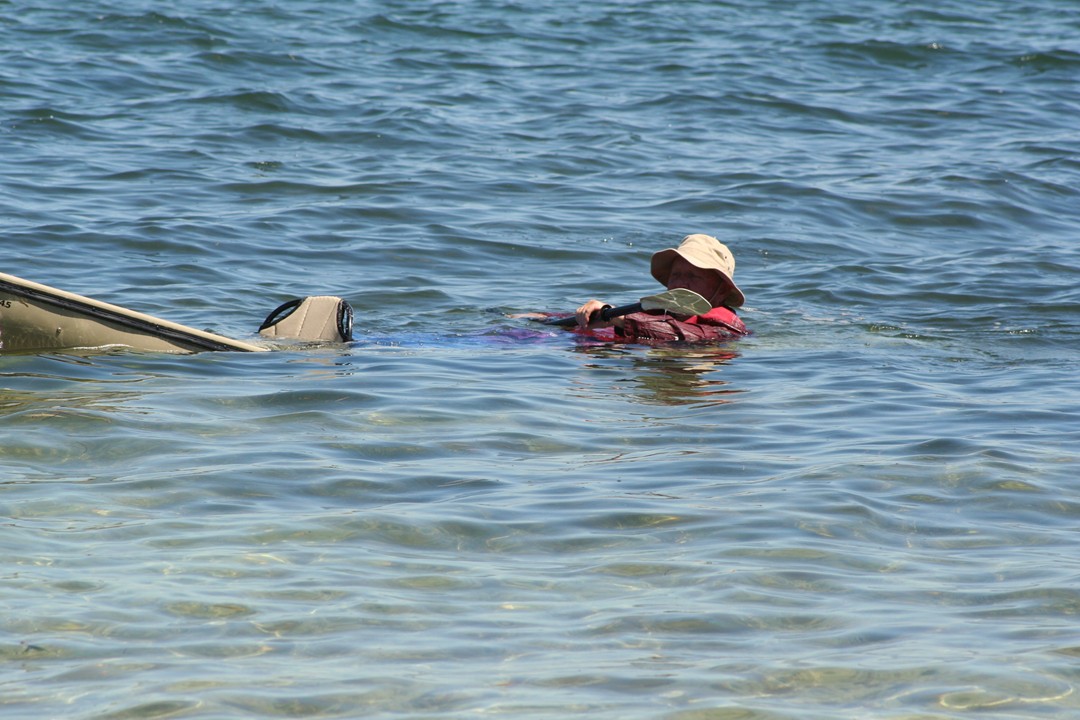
[(676, 375), (679, 377), (47, 385)]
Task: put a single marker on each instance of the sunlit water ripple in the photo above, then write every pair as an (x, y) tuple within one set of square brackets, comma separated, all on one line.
[(864, 510)]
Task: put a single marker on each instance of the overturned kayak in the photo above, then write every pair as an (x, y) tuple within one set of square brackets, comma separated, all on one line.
[(36, 317)]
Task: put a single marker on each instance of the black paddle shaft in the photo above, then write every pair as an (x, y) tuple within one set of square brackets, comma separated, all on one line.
[(604, 314)]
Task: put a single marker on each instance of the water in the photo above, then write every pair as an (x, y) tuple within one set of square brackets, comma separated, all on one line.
[(865, 510)]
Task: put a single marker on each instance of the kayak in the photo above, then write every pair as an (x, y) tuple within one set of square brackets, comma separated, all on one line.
[(36, 317)]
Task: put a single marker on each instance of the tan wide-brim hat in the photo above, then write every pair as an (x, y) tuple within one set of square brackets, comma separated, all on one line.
[(707, 253)]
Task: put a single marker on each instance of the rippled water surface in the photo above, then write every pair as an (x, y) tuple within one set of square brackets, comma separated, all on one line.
[(868, 509)]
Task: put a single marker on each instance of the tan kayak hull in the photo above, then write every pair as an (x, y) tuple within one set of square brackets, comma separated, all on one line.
[(36, 317)]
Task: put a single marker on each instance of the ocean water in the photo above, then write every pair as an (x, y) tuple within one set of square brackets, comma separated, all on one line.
[(867, 510)]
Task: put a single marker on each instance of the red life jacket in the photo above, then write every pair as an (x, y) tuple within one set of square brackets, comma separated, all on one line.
[(717, 325)]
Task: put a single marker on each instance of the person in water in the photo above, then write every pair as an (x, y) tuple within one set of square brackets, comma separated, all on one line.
[(700, 263)]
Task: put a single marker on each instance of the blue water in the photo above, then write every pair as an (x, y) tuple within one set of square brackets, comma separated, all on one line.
[(868, 509)]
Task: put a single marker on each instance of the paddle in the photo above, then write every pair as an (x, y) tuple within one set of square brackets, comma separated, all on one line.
[(679, 301)]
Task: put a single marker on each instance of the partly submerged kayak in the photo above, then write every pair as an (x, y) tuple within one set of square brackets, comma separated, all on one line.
[(36, 317)]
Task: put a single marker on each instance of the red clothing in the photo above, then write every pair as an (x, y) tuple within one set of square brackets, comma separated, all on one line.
[(717, 325)]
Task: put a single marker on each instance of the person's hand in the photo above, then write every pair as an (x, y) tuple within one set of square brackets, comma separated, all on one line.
[(586, 311)]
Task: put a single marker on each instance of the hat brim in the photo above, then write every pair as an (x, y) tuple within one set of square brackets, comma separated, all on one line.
[(661, 270)]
